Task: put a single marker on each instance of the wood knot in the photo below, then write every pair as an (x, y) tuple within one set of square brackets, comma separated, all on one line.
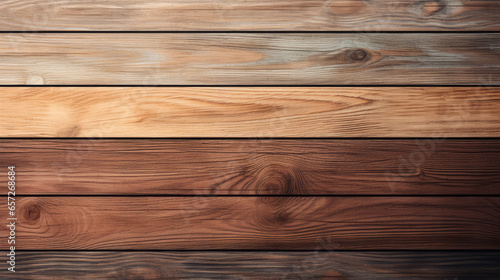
[(430, 8), (358, 55), (277, 179), (32, 213), (282, 217), (272, 212), (421, 173)]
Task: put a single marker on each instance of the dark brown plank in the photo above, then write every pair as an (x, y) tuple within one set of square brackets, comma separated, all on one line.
[(256, 265), (254, 167), (250, 111), (223, 15), (263, 223), (250, 59)]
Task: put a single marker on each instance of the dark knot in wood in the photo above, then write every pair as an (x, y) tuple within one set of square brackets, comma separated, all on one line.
[(278, 179), (274, 212), (358, 55), (32, 213)]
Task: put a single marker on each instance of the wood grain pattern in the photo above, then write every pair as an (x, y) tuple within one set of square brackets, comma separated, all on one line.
[(256, 208), (238, 15), (254, 167), (256, 265), (250, 59), (250, 111), (264, 223), (262, 167)]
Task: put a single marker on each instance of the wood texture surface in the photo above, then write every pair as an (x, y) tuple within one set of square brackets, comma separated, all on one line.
[(254, 167), (225, 15), (250, 59), (363, 202), (257, 265), (250, 111), (263, 223)]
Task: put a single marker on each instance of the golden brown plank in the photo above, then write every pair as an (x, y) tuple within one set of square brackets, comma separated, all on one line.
[(250, 112), (253, 167), (264, 223), (322, 264), (238, 15), (250, 59)]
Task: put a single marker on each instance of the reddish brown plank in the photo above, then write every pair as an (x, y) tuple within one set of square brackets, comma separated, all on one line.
[(263, 223), (254, 167)]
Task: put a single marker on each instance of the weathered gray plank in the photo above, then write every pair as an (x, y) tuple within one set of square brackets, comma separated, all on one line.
[(238, 15), (322, 264), (250, 59)]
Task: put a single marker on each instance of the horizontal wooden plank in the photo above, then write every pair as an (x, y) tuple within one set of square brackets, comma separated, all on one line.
[(250, 111), (263, 223), (256, 265), (254, 167), (250, 59), (223, 15)]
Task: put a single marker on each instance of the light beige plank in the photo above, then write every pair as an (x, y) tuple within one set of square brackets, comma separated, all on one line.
[(250, 111)]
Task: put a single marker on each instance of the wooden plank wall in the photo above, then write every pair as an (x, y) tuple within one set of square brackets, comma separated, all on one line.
[(231, 139)]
